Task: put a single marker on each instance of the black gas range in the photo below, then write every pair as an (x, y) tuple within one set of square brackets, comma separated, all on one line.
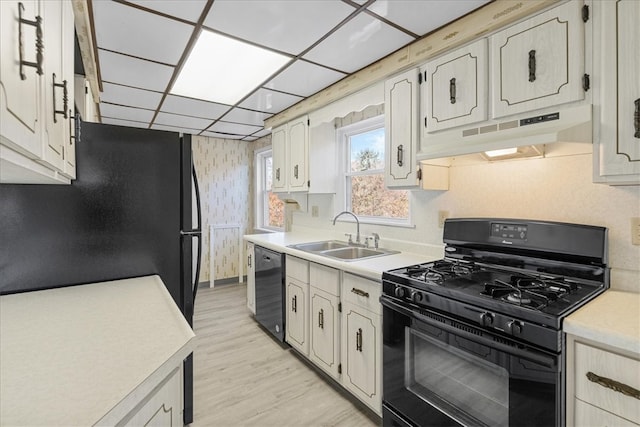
[(493, 307)]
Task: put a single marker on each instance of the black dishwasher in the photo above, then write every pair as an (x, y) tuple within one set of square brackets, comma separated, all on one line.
[(269, 270)]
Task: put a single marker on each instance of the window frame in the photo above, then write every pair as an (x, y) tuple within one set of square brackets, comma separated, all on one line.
[(261, 195), (344, 186)]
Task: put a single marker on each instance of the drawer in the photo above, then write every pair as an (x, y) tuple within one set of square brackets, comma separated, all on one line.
[(611, 367), (588, 415), (324, 278), (297, 268), (362, 292)]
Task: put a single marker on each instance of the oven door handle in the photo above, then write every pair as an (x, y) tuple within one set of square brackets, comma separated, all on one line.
[(532, 354)]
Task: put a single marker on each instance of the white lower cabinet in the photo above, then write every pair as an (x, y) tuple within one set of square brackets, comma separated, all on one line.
[(324, 318), (297, 304), (251, 278), (163, 407)]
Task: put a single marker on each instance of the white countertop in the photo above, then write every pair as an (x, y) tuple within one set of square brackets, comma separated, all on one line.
[(613, 318), (70, 355), (371, 268)]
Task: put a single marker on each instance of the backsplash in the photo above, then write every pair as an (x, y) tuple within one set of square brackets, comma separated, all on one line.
[(552, 189), (223, 167)]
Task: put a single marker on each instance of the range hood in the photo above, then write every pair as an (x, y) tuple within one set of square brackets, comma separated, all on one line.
[(562, 125)]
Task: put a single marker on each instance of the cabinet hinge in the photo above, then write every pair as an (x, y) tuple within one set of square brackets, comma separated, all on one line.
[(425, 121), (340, 307), (419, 174), (339, 368), (420, 78), (585, 13), (308, 122), (309, 184), (586, 82)]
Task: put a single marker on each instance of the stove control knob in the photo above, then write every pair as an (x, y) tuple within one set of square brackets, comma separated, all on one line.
[(514, 327), (486, 319), (400, 292), (416, 296)]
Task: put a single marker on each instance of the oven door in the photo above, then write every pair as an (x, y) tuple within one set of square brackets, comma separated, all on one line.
[(441, 371)]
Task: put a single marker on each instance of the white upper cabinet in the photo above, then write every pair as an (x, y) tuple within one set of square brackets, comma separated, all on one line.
[(298, 133), (617, 43), (454, 88), (279, 165), (401, 129), (37, 92), (539, 62)]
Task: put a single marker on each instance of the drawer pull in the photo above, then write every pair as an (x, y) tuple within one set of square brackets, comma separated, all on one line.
[(614, 385), (532, 66), (360, 293)]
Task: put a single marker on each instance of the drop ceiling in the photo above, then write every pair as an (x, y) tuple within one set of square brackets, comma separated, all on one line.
[(142, 45)]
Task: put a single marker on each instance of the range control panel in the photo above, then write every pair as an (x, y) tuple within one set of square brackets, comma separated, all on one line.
[(509, 231)]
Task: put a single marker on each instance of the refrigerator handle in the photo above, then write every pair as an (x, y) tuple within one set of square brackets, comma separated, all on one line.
[(199, 234)]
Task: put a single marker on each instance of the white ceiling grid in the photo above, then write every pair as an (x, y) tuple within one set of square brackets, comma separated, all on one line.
[(141, 45)]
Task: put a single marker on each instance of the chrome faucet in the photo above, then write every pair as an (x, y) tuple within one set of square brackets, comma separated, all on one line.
[(357, 223)]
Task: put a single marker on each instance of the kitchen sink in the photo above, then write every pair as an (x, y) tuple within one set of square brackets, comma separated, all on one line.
[(341, 250)]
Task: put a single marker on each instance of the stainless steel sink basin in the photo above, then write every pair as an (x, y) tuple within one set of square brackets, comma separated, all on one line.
[(341, 250)]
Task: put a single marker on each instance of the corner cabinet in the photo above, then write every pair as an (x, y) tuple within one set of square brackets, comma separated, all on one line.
[(539, 62), (401, 105), (251, 278), (617, 132), (454, 88), (290, 144), (36, 92)]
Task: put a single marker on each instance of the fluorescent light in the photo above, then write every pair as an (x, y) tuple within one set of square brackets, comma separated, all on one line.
[(501, 153), (224, 70), (514, 153)]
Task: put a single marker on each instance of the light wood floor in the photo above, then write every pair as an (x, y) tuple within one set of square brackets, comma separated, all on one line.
[(244, 377)]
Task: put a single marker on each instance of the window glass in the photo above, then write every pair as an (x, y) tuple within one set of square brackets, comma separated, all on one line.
[(269, 208)]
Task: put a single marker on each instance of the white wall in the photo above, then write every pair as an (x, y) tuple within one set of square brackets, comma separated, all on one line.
[(553, 189)]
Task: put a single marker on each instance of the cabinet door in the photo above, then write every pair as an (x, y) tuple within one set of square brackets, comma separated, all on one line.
[(163, 407), (297, 325), (278, 168), (19, 126), (68, 52), (539, 62), (628, 18), (456, 88), (324, 331), (362, 355), (251, 278), (298, 154), (401, 130)]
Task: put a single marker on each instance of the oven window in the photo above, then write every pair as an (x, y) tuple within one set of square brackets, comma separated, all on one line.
[(466, 387)]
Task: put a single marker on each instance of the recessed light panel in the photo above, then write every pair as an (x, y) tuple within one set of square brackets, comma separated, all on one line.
[(224, 70)]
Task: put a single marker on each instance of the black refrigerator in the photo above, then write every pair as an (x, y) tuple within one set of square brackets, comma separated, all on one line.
[(133, 210)]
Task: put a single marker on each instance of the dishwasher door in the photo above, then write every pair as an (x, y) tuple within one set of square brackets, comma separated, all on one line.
[(269, 268)]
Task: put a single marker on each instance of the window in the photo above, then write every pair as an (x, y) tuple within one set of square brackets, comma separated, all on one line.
[(269, 208), (363, 165)]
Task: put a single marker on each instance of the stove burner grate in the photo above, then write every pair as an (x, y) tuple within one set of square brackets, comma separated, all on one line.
[(529, 291)]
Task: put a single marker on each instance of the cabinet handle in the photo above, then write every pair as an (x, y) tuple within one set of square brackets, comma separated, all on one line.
[(452, 90), (636, 119), (321, 319), (359, 340), (400, 155), (277, 174), (295, 171), (294, 303), (39, 44), (532, 65), (614, 385), (65, 99), (359, 292), (71, 136), (249, 261)]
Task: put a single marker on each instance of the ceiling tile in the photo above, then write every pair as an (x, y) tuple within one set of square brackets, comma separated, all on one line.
[(189, 10), (240, 115), (262, 133), (289, 26), (124, 95), (422, 17), (120, 122), (175, 129), (139, 33), (134, 72), (360, 42), (269, 101), (193, 107), (182, 121), (222, 135), (304, 79), (235, 128), (125, 113)]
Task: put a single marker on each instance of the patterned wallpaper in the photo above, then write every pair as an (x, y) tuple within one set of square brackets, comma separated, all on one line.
[(224, 170)]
